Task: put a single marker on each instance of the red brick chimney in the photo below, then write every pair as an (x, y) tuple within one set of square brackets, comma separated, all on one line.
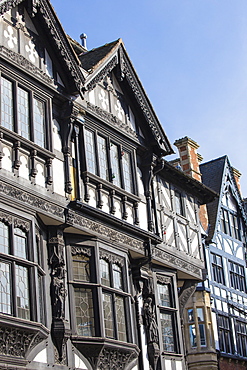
[(190, 161), (237, 176)]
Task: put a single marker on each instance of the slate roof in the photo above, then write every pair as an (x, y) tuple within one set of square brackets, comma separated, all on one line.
[(91, 59), (212, 175)]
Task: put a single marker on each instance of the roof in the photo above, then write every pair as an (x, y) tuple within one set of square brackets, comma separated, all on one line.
[(212, 176), (188, 183), (91, 59)]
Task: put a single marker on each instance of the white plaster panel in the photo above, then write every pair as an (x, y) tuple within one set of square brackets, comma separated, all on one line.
[(225, 306), (41, 357), (91, 97), (57, 143), (105, 201), (92, 197), (215, 330), (169, 231), (168, 365), (23, 169), (79, 364), (40, 177), (143, 215), (58, 176), (118, 212), (227, 247), (223, 293), (195, 250), (179, 365), (216, 291), (140, 183), (239, 251), (6, 160), (165, 195), (218, 304), (183, 244), (130, 218)]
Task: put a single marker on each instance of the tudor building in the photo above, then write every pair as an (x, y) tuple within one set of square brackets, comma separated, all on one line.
[(97, 230)]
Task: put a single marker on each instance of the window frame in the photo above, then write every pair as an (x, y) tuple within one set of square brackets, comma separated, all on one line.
[(98, 289), (241, 337), (33, 270), (217, 269), (34, 93), (237, 277), (122, 150), (225, 333), (172, 311)]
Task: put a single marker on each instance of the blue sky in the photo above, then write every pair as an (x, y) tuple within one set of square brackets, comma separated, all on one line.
[(191, 56)]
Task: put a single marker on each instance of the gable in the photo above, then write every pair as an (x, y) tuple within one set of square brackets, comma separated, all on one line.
[(112, 74), (33, 38)]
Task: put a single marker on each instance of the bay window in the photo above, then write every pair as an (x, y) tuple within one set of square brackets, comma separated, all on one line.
[(16, 272), (89, 290)]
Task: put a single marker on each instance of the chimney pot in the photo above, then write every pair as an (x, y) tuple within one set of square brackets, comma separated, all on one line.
[(83, 37)]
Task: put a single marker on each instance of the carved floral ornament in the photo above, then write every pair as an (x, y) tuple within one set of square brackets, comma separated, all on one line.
[(164, 279), (111, 257), (17, 222), (81, 250)]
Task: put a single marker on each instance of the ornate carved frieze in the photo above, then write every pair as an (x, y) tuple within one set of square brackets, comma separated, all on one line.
[(19, 61), (31, 200), (73, 218), (127, 72), (17, 342), (164, 279), (110, 118), (111, 257), (115, 359), (177, 262), (81, 250), (17, 222), (8, 4), (103, 73)]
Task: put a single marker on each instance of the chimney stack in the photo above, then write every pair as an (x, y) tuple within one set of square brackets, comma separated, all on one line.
[(190, 161), (189, 158), (237, 176)]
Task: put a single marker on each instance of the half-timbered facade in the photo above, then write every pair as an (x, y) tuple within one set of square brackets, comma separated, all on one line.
[(226, 261), (97, 231)]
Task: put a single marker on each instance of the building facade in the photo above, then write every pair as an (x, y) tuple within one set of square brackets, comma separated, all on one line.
[(215, 314), (97, 230)]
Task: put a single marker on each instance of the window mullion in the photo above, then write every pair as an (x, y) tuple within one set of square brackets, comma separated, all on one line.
[(31, 125), (15, 113)]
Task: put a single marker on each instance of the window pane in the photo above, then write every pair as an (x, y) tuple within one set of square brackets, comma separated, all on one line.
[(38, 122), (191, 315), (202, 334), (103, 167), (84, 312), (20, 243), (108, 315), (115, 165), (4, 238), (120, 313), (164, 296), (23, 113), (104, 273), (167, 332), (7, 116), (179, 203), (192, 331), (5, 288), (90, 152), (81, 267), (127, 174), (117, 276), (22, 292), (200, 314)]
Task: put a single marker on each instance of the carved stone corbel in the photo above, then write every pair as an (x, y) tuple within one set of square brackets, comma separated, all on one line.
[(186, 291)]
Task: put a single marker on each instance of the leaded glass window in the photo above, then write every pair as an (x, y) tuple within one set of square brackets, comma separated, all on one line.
[(127, 173), (81, 267), (38, 122), (167, 332), (22, 112), (7, 111), (102, 153), (113, 300), (115, 165), (90, 151), (16, 280), (84, 312)]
